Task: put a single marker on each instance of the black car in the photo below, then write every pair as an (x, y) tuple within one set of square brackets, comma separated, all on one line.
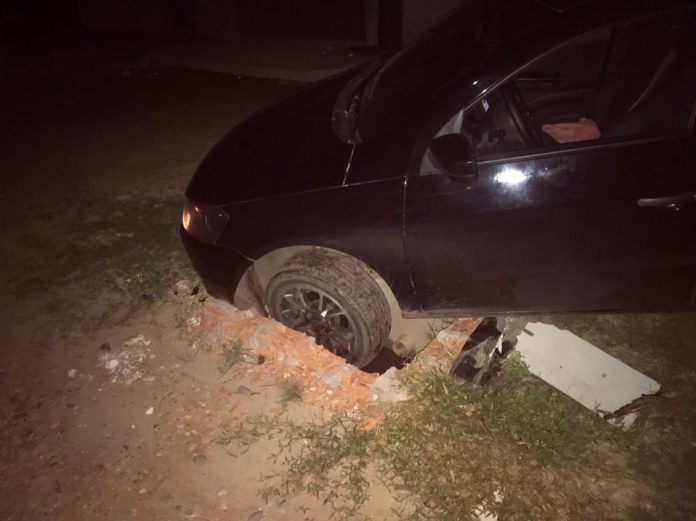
[(522, 156)]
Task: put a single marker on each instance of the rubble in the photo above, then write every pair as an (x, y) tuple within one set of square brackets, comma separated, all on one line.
[(388, 388), (128, 364), (327, 380)]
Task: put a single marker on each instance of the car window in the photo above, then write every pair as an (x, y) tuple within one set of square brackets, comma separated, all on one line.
[(630, 81)]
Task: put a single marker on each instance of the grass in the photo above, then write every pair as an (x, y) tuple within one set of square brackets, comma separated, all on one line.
[(290, 391), (662, 448), (140, 279), (232, 354), (448, 450)]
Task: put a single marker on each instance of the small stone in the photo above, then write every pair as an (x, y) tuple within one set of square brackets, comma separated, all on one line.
[(149, 411), (200, 459), (137, 341), (222, 492), (111, 364), (106, 347), (244, 390), (142, 491), (256, 516), (72, 373), (183, 286), (194, 321)]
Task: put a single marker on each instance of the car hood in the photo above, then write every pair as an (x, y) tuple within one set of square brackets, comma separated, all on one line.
[(286, 148)]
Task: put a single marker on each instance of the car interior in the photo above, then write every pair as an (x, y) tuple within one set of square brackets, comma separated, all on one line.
[(636, 79)]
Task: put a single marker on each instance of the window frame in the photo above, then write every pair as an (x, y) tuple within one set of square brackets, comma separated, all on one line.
[(450, 109)]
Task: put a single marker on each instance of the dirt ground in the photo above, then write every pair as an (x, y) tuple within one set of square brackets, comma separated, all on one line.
[(113, 402), (95, 161)]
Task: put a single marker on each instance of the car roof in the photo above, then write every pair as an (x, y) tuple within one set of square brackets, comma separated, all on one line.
[(395, 93)]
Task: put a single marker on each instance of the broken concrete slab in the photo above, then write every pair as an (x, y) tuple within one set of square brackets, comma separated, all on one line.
[(388, 388), (580, 370)]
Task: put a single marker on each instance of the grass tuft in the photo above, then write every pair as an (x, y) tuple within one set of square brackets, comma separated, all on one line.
[(232, 354), (290, 391)]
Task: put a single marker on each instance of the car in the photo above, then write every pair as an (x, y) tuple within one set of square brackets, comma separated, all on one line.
[(523, 156)]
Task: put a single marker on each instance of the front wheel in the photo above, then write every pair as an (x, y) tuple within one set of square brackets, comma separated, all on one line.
[(334, 299)]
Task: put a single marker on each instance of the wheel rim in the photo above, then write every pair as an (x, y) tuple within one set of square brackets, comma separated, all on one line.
[(311, 311)]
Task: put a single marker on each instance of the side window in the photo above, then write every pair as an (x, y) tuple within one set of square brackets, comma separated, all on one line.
[(633, 80), (636, 80)]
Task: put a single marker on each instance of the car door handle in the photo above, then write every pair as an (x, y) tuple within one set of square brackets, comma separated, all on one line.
[(673, 202)]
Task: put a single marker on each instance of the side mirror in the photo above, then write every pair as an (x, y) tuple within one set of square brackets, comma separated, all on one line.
[(452, 154)]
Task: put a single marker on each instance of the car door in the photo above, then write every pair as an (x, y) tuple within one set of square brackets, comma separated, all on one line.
[(606, 223)]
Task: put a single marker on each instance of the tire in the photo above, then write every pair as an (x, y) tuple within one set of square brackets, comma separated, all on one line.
[(332, 298)]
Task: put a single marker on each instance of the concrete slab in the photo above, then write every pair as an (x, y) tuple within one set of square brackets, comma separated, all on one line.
[(587, 374)]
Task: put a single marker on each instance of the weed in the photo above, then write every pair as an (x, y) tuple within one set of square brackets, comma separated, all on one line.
[(142, 278), (232, 354), (291, 391)]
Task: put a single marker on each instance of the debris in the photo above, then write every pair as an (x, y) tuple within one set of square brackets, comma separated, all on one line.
[(128, 365), (440, 354), (483, 514), (587, 374), (183, 286), (242, 389), (149, 411), (642, 402), (194, 321), (388, 388), (137, 341), (72, 373), (479, 360), (256, 516), (200, 459)]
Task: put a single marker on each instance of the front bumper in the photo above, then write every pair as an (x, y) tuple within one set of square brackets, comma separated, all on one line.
[(220, 268)]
